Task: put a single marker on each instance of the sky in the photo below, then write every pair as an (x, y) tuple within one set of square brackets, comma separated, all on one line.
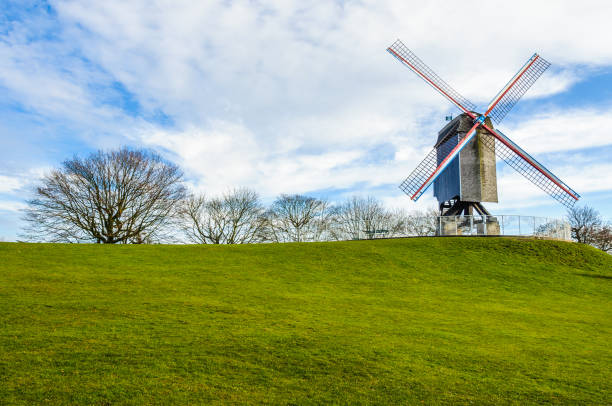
[(298, 96)]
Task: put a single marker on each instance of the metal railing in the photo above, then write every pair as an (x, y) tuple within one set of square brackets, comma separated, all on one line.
[(476, 225), (511, 225)]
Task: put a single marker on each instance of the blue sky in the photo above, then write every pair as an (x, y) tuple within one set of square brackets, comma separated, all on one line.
[(299, 97)]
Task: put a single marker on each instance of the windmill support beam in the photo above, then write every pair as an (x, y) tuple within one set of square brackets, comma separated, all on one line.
[(459, 207), (458, 217)]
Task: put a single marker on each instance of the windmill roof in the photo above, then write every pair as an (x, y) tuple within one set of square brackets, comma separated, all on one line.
[(461, 123)]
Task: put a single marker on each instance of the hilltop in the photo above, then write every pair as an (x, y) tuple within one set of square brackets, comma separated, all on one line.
[(433, 320)]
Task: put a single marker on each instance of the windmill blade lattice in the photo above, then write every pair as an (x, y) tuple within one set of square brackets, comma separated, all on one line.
[(515, 89), (542, 178), (409, 59), (420, 174), (412, 184)]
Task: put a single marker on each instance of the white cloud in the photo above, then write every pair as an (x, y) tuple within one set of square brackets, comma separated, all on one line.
[(33, 72), (591, 178), (564, 130), (11, 206), (203, 60), (10, 183), (553, 82), (229, 155)]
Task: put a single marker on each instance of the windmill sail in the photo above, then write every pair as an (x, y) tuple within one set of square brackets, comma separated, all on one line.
[(503, 102), (409, 59), (420, 174), (531, 169)]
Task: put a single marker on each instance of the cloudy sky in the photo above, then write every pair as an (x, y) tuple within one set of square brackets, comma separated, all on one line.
[(297, 96)]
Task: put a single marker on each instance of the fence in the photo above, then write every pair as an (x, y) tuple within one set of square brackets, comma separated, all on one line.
[(501, 225), (504, 225)]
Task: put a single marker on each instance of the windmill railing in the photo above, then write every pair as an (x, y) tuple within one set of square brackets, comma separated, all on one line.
[(503, 225), (472, 225)]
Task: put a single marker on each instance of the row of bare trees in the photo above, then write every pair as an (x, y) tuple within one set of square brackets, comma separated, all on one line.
[(135, 196), (239, 217)]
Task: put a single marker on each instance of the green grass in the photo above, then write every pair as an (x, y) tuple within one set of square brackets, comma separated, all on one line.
[(433, 321)]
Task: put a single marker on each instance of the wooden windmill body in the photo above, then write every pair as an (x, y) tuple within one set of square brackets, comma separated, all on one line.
[(471, 178)]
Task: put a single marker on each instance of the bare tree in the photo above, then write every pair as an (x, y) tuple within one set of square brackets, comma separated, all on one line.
[(365, 217), (422, 223), (349, 217), (553, 228), (394, 222), (297, 218), (584, 222), (121, 196), (602, 238), (234, 218)]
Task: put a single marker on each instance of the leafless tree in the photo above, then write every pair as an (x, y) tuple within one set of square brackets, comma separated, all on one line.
[(234, 218), (297, 218), (395, 222), (120, 196), (349, 216), (422, 223), (584, 222), (365, 217), (552, 228), (602, 238)]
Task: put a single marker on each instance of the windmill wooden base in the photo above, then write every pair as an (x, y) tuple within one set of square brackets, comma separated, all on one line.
[(459, 207), (466, 218)]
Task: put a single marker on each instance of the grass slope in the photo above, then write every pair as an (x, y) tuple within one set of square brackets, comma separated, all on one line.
[(434, 320)]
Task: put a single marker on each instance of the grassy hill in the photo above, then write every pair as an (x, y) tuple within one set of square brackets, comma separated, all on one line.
[(433, 320)]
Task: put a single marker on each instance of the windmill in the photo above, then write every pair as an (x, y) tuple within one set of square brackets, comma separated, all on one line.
[(462, 163)]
